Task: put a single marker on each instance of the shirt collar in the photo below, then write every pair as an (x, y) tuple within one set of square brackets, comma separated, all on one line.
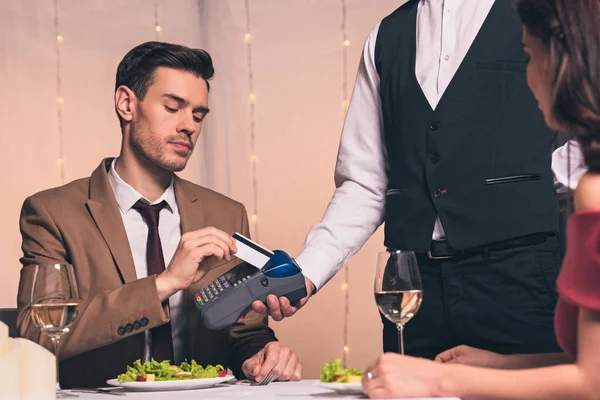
[(127, 196)]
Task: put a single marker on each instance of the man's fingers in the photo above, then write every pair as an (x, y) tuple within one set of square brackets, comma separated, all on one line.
[(212, 234), (289, 369), (251, 367), (297, 373), (209, 246), (271, 359), (284, 356)]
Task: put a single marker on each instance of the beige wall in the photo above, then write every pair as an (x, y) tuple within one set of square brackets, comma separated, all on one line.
[(297, 58)]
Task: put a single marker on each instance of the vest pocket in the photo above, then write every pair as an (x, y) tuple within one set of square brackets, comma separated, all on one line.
[(392, 192), (513, 179)]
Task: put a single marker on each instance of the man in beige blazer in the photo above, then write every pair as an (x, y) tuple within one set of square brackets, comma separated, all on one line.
[(161, 99)]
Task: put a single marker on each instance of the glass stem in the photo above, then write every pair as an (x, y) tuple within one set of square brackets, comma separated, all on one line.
[(400, 338), (55, 340)]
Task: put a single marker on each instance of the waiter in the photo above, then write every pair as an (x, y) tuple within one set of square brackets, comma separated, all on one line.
[(444, 142)]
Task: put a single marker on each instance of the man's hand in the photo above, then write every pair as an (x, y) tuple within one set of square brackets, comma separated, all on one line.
[(281, 308), (197, 253), (273, 357)]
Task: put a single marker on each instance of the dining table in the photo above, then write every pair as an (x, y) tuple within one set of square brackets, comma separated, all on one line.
[(305, 389)]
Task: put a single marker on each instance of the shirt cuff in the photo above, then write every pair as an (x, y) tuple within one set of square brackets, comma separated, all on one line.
[(317, 265)]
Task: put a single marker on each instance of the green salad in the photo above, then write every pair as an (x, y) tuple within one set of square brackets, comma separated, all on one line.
[(163, 371), (333, 372)]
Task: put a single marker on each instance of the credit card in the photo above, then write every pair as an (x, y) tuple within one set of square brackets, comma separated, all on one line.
[(251, 252)]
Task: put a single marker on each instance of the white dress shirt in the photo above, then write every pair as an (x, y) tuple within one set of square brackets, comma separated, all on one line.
[(445, 31), (169, 230)]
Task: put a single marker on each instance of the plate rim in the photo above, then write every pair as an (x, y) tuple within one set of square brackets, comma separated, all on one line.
[(115, 382), (344, 386)]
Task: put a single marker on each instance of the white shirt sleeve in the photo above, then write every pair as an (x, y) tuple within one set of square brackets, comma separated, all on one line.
[(565, 181), (357, 207)]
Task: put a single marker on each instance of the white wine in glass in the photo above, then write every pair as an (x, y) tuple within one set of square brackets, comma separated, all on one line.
[(54, 319), (54, 305), (398, 288)]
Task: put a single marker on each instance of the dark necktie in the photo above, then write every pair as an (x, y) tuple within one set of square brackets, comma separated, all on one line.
[(162, 341)]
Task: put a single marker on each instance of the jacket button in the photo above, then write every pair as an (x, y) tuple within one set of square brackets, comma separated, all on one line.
[(437, 193), (434, 126), (435, 159), (144, 321), (136, 325), (121, 331), (129, 328)]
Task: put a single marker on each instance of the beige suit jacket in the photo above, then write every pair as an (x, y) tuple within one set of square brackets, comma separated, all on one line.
[(80, 224)]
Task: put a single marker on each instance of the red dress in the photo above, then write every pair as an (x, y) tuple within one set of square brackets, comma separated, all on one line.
[(579, 280)]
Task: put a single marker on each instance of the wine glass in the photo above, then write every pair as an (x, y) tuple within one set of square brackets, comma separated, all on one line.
[(54, 304), (398, 288)]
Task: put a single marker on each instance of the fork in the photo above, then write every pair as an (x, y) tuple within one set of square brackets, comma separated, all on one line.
[(264, 381), (117, 391)]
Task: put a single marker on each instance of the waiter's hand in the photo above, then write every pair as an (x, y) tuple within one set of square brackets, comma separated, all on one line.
[(274, 357), (281, 308), (196, 254)]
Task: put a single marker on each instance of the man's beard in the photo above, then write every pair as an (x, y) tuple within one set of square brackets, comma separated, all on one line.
[(151, 149)]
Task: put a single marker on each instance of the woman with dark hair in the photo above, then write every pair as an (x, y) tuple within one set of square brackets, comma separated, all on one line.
[(562, 39)]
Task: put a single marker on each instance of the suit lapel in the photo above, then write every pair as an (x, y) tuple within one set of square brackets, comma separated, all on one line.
[(191, 210), (191, 213), (104, 209)]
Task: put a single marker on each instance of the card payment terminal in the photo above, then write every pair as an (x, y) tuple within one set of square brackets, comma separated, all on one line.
[(224, 300)]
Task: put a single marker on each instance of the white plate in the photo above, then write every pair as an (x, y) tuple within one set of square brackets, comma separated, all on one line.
[(189, 384), (343, 388)]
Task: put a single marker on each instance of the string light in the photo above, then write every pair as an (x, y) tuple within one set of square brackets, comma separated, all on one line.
[(59, 99), (252, 128), (345, 104), (157, 27)]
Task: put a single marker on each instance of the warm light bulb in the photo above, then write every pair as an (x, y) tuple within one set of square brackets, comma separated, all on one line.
[(60, 38), (254, 217), (346, 349), (253, 158), (252, 98), (346, 43), (345, 286), (248, 37), (59, 100), (158, 28), (59, 161)]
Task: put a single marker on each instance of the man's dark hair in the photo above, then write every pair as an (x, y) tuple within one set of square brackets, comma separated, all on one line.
[(136, 69)]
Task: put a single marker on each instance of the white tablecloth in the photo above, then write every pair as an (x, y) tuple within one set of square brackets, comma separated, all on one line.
[(307, 389)]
